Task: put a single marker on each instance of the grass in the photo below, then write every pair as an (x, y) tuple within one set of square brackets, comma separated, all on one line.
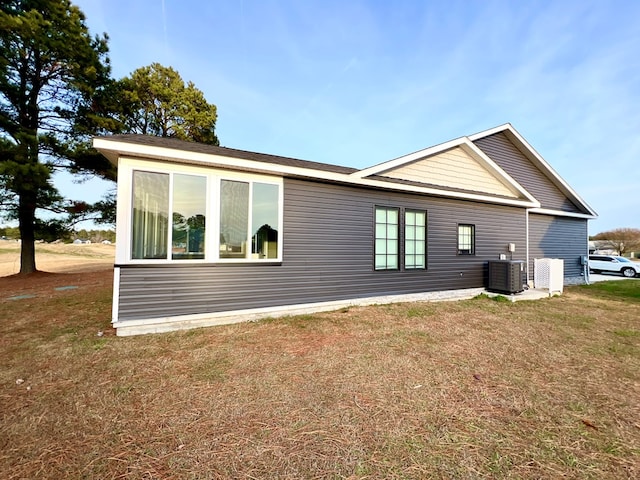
[(471, 389)]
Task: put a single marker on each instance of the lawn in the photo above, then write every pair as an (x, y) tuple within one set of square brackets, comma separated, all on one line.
[(465, 390)]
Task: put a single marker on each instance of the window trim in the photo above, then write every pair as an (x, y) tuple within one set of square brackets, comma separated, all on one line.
[(124, 218), (472, 250)]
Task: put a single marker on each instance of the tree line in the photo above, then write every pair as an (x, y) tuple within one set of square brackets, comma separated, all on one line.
[(56, 93), (622, 240)]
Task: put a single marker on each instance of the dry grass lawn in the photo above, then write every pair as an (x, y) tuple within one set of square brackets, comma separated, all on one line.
[(466, 390)]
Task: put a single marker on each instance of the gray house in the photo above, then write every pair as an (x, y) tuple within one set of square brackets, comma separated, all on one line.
[(211, 235)]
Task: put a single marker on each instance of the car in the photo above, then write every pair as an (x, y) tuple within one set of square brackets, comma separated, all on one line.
[(612, 263)]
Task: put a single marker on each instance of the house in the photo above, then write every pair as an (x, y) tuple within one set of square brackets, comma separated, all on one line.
[(210, 235)]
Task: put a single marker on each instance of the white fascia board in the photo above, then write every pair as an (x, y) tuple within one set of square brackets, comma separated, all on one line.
[(560, 213), (537, 159), (412, 157), (188, 157)]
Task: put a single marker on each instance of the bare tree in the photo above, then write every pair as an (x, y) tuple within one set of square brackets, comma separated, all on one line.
[(621, 239)]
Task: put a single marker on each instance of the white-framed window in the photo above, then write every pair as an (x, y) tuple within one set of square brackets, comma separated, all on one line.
[(466, 239), (415, 239), (169, 209), (386, 238), (192, 214)]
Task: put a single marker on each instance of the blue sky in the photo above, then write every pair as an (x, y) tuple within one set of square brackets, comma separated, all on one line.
[(360, 82)]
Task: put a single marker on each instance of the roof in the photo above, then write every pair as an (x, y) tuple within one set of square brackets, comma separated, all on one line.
[(175, 144), (179, 151)]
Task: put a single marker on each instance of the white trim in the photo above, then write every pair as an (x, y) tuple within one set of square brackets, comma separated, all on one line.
[(185, 322), (537, 159), (116, 295), (157, 154), (560, 213), (411, 157)]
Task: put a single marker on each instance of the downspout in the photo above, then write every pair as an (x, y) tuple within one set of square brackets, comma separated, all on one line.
[(586, 263), (526, 228)]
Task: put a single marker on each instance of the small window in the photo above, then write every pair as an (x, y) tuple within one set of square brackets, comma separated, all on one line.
[(466, 239), (386, 242), (415, 228)]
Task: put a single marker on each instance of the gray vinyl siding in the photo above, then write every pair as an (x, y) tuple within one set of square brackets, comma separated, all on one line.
[(558, 237), (328, 255), (500, 149)]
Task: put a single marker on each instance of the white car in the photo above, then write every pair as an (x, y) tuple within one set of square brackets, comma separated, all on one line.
[(611, 263)]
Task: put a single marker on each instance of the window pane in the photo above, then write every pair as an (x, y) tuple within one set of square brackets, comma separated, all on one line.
[(392, 261), (410, 232), (410, 248), (189, 208), (410, 218), (150, 227), (264, 221), (234, 219), (392, 216)]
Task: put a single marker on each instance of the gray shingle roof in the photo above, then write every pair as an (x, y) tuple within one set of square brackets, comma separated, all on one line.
[(163, 142)]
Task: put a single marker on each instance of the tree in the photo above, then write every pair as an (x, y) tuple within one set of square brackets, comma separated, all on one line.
[(155, 100), (621, 239), (50, 71)]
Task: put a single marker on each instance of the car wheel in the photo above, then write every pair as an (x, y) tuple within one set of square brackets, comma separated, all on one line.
[(628, 272)]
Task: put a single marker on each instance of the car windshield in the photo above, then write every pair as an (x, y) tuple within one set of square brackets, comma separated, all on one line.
[(622, 259)]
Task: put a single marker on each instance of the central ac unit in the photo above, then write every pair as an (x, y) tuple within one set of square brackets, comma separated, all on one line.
[(506, 276)]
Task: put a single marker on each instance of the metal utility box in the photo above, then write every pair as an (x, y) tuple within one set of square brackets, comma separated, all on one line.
[(506, 276)]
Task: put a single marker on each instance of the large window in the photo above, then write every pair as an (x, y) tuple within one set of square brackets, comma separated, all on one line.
[(264, 221), (189, 214), (466, 239), (170, 211), (239, 203), (415, 239), (386, 242), (150, 215)]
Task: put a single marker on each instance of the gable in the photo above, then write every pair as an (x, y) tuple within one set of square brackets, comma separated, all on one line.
[(454, 168), (512, 160)]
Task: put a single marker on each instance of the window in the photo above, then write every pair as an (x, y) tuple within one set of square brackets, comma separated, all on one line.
[(264, 221), (189, 214), (170, 212), (151, 213), (466, 239), (386, 241), (415, 228), (235, 200)]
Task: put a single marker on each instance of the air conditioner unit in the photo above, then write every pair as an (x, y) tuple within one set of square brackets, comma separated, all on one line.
[(506, 276)]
